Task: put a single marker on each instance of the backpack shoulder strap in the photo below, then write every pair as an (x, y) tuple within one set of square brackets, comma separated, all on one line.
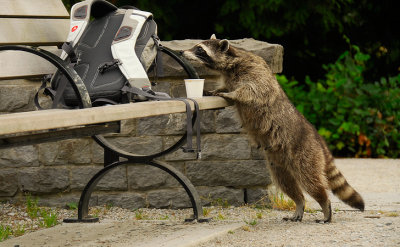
[(80, 17), (123, 45)]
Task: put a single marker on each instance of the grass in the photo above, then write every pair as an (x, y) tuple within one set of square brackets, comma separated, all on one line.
[(392, 214), (19, 231), (44, 218), (139, 215), (279, 202), (32, 208), (165, 217), (253, 222), (206, 211), (72, 205), (109, 206), (5, 232), (220, 217), (49, 218), (216, 202)]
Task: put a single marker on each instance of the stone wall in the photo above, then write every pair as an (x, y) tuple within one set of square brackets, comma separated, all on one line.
[(230, 170)]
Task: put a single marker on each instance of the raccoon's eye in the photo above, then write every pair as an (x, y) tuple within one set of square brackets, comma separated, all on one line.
[(199, 49)]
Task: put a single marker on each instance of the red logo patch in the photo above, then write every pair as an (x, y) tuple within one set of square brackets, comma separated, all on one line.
[(74, 28)]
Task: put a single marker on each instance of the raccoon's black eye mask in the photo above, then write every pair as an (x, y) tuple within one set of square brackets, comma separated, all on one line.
[(202, 54)]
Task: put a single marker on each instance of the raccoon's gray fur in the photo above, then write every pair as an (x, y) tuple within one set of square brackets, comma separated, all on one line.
[(298, 156)]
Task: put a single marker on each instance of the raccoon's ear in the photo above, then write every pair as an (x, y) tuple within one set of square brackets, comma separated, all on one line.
[(213, 36), (224, 45)]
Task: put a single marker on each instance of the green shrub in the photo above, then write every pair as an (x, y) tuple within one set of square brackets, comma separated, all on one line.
[(356, 118)]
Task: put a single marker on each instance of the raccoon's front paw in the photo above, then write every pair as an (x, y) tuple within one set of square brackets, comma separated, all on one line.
[(208, 93), (217, 91)]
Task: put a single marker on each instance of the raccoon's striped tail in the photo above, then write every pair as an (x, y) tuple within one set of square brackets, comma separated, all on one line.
[(342, 189)]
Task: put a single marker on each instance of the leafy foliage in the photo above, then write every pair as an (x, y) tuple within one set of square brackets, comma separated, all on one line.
[(356, 117)]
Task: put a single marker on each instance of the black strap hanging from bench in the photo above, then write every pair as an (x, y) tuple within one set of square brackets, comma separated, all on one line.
[(189, 117)]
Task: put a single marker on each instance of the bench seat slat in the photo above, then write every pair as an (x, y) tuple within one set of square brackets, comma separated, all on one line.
[(59, 118)]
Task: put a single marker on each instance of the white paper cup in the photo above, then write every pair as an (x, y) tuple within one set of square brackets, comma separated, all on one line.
[(194, 88)]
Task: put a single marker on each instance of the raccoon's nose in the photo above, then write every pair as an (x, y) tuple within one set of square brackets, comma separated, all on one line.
[(181, 53)]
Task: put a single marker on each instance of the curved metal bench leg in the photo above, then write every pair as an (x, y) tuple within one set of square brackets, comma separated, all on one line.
[(83, 207)]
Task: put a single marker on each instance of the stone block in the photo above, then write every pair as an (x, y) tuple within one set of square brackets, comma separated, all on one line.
[(97, 153), (228, 121), (63, 199), (172, 124), (114, 180), (142, 145), (178, 90), (8, 182), (161, 86), (239, 173), (225, 147), (128, 127), (207, 123), (145, 177), (17, 98), (176, 124), (178, 155), (129, 200), (271, 53), (74, 151), (43, 180), (257, 196), (23, 156), (171, 198), (152, 125), (221, 196)]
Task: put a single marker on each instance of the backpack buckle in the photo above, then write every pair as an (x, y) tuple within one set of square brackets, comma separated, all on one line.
[(109, 65)]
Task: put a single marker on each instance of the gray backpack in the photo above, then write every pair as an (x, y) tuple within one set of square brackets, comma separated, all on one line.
[(112, 49), (111, 53)]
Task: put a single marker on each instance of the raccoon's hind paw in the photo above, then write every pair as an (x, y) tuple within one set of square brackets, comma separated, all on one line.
[(323, 221), (294, 218)]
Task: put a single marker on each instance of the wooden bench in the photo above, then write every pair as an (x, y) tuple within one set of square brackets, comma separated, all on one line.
[(45, 23)]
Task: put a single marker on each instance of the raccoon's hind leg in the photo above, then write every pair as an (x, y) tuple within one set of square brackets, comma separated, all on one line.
[(317, 190), (286, 182)]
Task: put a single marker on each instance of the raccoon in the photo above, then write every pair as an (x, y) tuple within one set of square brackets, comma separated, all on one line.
[(298, 157)]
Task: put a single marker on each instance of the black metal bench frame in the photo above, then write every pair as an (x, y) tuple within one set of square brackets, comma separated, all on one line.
[(112, 154)]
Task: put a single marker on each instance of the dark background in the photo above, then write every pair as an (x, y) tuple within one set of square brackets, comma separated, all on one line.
[(313, 32)]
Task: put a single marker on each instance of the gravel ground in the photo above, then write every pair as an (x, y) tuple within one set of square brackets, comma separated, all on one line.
[(349, 228), (377, 181), (260, 227)]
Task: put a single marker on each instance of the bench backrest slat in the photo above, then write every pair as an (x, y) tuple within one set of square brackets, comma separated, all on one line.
[(29, 31), (33, 8), (42, 23)]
